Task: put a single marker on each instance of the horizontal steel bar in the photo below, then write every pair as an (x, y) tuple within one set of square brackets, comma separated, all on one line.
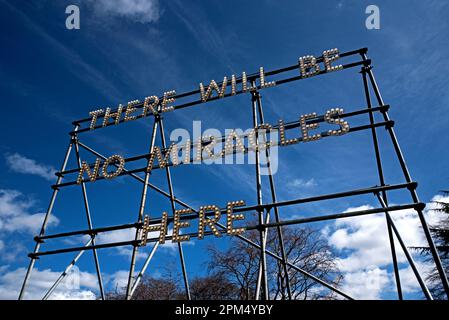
[(254, 227), (279, 204), (267, 206), (73, 249), (338, 216), (92, 231)]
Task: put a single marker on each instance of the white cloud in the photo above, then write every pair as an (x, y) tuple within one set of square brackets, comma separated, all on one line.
[(144, 11), (22, 164), (119, 280), (365, 253), (408, 278), (129, 235), (15, 216), (366, 284), (13, 251), (301, 183), (116, 236), (41, 281), (74, 295), (119, 236), (77, 285)]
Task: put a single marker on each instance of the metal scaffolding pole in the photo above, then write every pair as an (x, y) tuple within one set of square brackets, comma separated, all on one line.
[(172, 202), (382, 182), (421, 282), (141, 211), (144, 268), (408, 178), (260, 274), (263, 259), (44, 223), (274, 199), (89, 220)]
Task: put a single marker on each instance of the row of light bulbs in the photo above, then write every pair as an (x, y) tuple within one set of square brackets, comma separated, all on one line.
[(308, 67), (114, 159), (233, 143), (150, 103), (203, 222)]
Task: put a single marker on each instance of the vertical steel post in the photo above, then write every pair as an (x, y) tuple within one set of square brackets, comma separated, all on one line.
[(141, 210), (144, 268), (382, 182), (274, 198), (89, 220), (260, 273), (422, 284), (408, 178), (172, 202), (44, 223), (262, 230)]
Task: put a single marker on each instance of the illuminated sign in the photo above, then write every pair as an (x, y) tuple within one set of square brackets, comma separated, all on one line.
[(308, 67), (203, 222), (205, 147), (231, 144)]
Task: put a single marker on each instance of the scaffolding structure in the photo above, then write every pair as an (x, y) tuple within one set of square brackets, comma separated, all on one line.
[(264, 208)]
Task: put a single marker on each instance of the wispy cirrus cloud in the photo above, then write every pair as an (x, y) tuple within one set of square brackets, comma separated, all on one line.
[(302, 183), (15, 213), (143, 11), (197, 22), (86, 72), (21, 164)]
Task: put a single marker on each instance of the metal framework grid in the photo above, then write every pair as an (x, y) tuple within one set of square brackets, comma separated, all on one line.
[(262, 208)]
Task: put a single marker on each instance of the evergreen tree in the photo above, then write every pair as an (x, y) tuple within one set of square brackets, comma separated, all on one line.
[(440, 234)]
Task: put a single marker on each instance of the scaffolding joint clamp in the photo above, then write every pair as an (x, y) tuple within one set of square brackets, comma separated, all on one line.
[(33, 256), (367, 64), (366, 68), (385, 108), (420, 206), (413, 185), (38, 239), (74, 138), (389, 124)]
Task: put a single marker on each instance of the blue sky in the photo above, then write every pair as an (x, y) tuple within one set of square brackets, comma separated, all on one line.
[(52, 76)]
